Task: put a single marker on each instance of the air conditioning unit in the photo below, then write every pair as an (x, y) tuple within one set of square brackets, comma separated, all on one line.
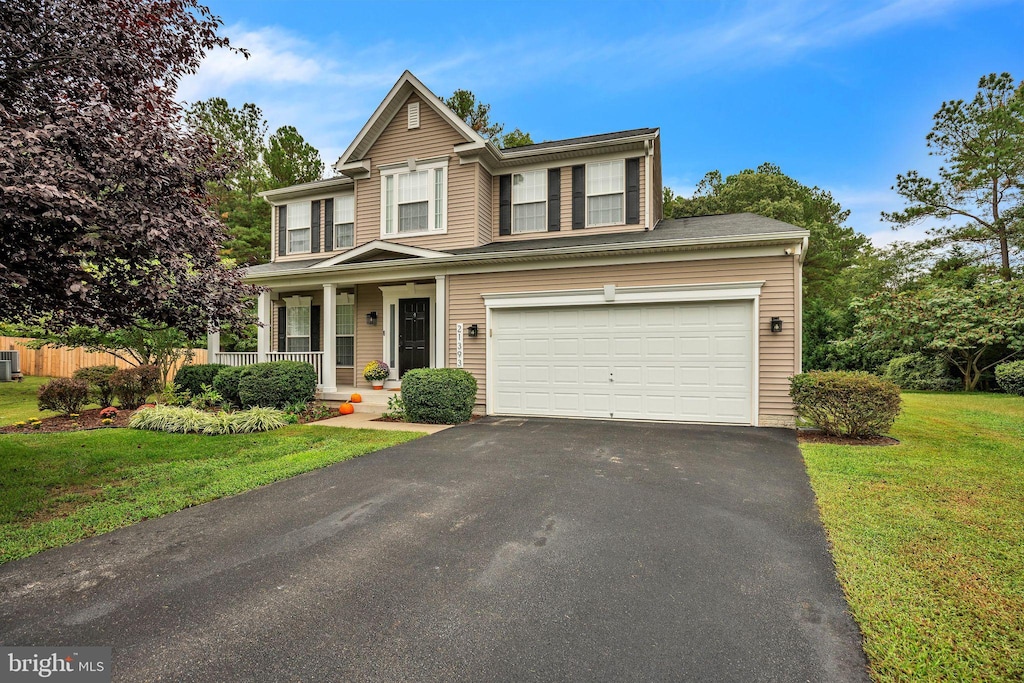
[(5, 371), (15, 359)]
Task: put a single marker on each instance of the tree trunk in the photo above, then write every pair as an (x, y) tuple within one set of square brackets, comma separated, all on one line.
[(1004, 246)]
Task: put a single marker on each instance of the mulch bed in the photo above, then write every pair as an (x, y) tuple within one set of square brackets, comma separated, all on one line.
[(816, 436), (87, 419)]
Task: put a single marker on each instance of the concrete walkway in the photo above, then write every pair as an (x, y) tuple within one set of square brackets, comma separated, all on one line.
[(364, 419)]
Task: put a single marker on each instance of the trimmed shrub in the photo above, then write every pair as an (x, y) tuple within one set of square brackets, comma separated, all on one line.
[(438, 395), (277, 384), (191, 378), (853, 404), (918, 372), (226, 384), (1011, 377), (132, 386), (63, 395), (98, 378)]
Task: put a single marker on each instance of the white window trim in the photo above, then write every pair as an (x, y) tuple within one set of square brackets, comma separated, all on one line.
[(334, 224), (429, 165), (344, 299), (289, 227), (587, 195), (544, 201), (298, 302)]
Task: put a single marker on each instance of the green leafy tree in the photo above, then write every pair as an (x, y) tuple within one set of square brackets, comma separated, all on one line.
[(972, 329), (516, 138), (239, 136), (769, 192), (140, 344), (291, 160), (478, 116), (978, 192), (258, 164)]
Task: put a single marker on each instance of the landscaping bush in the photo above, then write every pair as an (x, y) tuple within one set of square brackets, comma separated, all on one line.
[(132, 386), (98, 379), (918, 372), (438, 395), (191, 378), (226, 384), (1011, 377), (277, 384), (63, 395), (183, 420), (853, 404)]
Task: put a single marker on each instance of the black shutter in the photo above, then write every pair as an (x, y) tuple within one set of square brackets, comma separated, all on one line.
[(505, 205), (282, 230), (579, 203), (314, 223), (328, 225), (632, 191), (282, 328), (554, 199), (314, 328)]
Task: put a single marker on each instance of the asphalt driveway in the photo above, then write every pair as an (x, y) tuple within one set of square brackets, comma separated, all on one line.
[(503, 550)]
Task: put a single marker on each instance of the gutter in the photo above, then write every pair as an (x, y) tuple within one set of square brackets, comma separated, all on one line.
[(547, 253)]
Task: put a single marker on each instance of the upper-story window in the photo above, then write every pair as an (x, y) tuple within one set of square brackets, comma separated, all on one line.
[(413, 200), (606, 187), (529, 201), (344, 222), (297, 224)]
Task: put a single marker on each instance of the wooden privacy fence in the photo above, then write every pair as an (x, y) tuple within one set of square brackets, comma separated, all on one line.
[(51, 362)]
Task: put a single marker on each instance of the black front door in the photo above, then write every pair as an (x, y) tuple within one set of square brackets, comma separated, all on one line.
[(413, 334)]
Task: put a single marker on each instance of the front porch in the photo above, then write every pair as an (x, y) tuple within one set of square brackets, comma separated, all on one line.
[(399, 323)]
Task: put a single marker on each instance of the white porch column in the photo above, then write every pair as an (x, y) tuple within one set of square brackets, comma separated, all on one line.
[(328, 323), (264, 312), (441, 324), (212, 346)]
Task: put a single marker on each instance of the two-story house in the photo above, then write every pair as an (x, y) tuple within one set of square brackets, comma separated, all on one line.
[(547, 271)]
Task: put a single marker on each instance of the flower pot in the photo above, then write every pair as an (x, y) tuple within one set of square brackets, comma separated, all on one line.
[(377, 385)]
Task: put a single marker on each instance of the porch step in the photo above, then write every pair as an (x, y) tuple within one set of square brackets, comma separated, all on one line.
[(377, 400)]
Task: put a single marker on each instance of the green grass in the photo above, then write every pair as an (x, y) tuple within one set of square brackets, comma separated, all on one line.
[(18, 400), (928, 537), (59, 488)]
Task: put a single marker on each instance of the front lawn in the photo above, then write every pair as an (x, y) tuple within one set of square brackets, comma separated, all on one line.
[(18, 400), (928, 537), (59, 488)]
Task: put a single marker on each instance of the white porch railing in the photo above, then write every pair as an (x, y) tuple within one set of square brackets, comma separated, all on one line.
[(236, 358), (314, 358)]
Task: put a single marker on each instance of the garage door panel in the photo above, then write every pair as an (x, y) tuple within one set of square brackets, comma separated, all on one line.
[(681, 362)]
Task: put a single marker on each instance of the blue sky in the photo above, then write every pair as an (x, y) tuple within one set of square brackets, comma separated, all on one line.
[(840, 95)]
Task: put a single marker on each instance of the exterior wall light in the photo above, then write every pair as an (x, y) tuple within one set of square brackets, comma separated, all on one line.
[(473, 330), (371, 318), (776, 324)]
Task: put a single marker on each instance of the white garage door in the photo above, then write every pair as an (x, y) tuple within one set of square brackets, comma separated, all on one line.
[(688, 362)]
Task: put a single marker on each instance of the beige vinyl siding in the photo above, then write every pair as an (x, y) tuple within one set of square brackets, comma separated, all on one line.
[(778, 352), (565, 201), (434, 138), (369, 339)]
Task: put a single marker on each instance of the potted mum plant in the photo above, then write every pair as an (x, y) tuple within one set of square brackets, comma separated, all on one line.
[(375, 372)]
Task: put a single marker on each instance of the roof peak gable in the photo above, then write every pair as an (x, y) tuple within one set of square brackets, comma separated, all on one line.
[(406, 85)]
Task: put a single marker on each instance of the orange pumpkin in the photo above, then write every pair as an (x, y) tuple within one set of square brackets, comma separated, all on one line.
[(346, 409), (355, 398)]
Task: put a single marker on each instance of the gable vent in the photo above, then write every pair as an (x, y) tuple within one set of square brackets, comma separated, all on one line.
[(414, 115)]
